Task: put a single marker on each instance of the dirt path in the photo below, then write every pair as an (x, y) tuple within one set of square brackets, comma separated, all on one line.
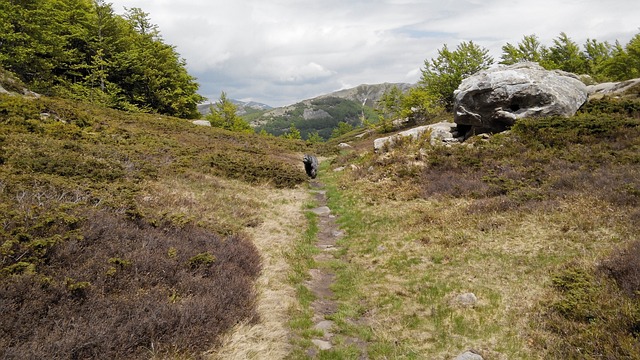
[(322, 277), (270, 338)]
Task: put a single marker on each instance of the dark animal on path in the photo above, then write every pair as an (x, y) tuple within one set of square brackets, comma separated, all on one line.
[(311, 165)]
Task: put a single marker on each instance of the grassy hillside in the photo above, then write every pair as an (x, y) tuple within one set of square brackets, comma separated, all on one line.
[(124, 235), (540, 224)]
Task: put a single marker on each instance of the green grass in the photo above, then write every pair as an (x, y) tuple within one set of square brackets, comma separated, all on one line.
[(501, 219)]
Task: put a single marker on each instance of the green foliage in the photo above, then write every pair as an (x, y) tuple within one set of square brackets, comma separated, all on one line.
[(224, 115), (343, 128), (442, 76), (529, 49), (601, 60), (418, 105), (80, 49), (390, 105), (314, 138), (293, 133), (201, 260), (565, 55)]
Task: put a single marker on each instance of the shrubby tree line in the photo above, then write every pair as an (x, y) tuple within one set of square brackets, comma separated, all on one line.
[(81, 49), (441, 76)]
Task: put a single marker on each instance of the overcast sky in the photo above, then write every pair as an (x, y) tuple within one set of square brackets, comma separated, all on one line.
[(279, 52)]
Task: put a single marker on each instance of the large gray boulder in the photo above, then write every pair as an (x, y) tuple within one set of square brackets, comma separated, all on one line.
[(493, 100)]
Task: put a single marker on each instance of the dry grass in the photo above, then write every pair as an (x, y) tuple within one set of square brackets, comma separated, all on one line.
[(128, 235), (499, 219), (280, 227)]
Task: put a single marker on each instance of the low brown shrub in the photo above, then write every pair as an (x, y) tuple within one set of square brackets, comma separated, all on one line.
[(125, 289), (624, 267)]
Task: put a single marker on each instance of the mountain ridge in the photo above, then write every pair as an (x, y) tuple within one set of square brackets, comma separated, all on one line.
[(323, 113)]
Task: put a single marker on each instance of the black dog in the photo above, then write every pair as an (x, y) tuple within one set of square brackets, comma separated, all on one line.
[(311, 165)]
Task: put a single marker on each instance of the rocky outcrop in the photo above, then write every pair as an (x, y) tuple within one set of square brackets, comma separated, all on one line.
[(440, 133), (629, 89), (492, 100), (311, 114)]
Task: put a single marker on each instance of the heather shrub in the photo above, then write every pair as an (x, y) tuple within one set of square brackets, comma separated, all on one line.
[(591, 314), (125, 289)]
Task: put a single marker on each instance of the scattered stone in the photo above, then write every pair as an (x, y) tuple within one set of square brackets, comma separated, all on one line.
[(493, 100), (466, 299), (344, 146), (321, 211), (328, 247), (324, 325), (337, 233), (339, 169), (468, 355), (354, 167), (322, 344), (201, 122)]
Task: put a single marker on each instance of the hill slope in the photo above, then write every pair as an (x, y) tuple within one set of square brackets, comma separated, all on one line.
[(126, 235)]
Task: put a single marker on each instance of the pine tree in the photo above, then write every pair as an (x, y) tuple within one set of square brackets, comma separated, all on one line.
[(224, 115)]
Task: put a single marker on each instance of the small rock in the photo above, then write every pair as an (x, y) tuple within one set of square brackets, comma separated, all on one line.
[(468, 355), (338, 169), (322, 211), (321, 344), (467, 299), (344, 146), (324, 325), (337, 233), (201, 122)]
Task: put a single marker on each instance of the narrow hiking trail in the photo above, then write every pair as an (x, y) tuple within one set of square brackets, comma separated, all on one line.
[(322, 278), (273, 336)]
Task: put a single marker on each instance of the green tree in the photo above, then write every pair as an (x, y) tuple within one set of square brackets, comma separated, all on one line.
[(633, 50), (293, 133), (225, 115), (421, 104), (342, 129), (442, 76), (529, 49), (596, 55), (80, 49), (565, 54), (390, 103), (314, 138)]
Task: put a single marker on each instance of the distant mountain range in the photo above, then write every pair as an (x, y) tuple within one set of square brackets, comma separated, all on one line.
[(243, 107), (322, 114)]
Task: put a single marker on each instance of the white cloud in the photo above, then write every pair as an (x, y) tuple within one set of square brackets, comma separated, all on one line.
[(283, 51)]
